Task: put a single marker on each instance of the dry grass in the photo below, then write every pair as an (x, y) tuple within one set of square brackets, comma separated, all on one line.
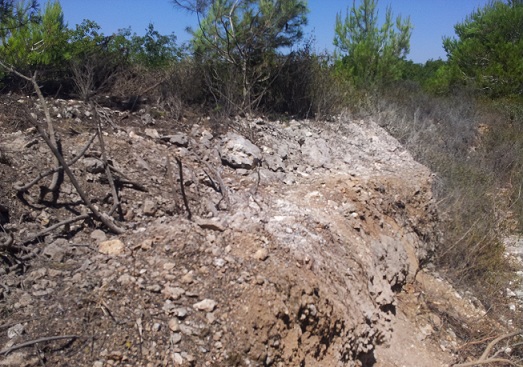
[(476, 149)]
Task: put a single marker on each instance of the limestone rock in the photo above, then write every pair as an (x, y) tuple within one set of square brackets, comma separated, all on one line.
[(56, 251), (111, 247), (98, 235), (149, 207), (207, 305), (239, 152), (317, 152), (262, 254)]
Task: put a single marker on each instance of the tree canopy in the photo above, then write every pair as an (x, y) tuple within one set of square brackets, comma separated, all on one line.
[(372, 54), (487, 51), (246, 34)]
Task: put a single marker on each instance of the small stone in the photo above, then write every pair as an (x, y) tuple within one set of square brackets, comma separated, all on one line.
[(181, 312), (174, 325), (98, 235), (168, 266), (149, 207), (152, 133), (173, 293), (126, 279), (98, 364), (176, 338), (146, 244), (262, 254), (178, 359), (207, 305), (54, 252), (111, 247), (188, 278), (219, 262), (16, 330), (211, 317), (188, 357)]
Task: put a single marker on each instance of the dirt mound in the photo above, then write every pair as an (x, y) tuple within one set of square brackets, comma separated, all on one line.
[(284, 244)]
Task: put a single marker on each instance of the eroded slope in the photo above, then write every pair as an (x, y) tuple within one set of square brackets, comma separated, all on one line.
[(301, 236)]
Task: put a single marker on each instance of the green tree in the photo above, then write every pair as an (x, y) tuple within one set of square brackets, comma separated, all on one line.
[(96, 60), (372, 55), (35, 41), (488, 50), (240, 39), (15, 14), (154, 50)]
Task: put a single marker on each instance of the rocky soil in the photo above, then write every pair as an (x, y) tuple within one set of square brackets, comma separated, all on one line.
[(285, 243)]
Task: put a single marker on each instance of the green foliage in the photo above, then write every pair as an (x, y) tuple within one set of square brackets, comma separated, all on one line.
[(35, 42), (372, 54), (15, 14), (239, 40), (154, 50), (487, 53), (95, 60)]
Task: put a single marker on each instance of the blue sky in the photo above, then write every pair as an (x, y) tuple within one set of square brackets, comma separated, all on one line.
[(432, 19)]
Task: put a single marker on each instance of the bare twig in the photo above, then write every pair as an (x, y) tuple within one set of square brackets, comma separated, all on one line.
[(36, 341), (101, 217), (172, 181), (486, 361), (123, 179), (185, 201), (27, 186), (116, 199), (218, 178), (58, 175), (57, 225), (484, 357)]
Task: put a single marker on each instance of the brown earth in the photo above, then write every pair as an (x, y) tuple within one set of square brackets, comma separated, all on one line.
[(315, 256)]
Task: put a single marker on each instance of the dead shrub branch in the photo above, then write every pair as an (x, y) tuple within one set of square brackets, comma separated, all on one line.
[(484, 359)]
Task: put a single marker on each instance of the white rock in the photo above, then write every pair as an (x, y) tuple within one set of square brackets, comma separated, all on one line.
[(262, 254), (207, 305), (178, 359), (173, 292)]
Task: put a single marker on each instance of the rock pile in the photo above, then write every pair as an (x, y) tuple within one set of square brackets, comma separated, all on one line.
[(300, 236)]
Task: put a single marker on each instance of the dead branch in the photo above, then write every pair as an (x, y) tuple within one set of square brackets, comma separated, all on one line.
[(484, 357), (223, 188), (100, 216), (58, 175), (55, 226), (116, 199), (218, 178), (172, 182), (124, 180), (42, 175), (9, 244), (486, 361), (36, 341), (184, 196)]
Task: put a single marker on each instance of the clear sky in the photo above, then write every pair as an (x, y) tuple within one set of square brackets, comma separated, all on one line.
[(432, 19)]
